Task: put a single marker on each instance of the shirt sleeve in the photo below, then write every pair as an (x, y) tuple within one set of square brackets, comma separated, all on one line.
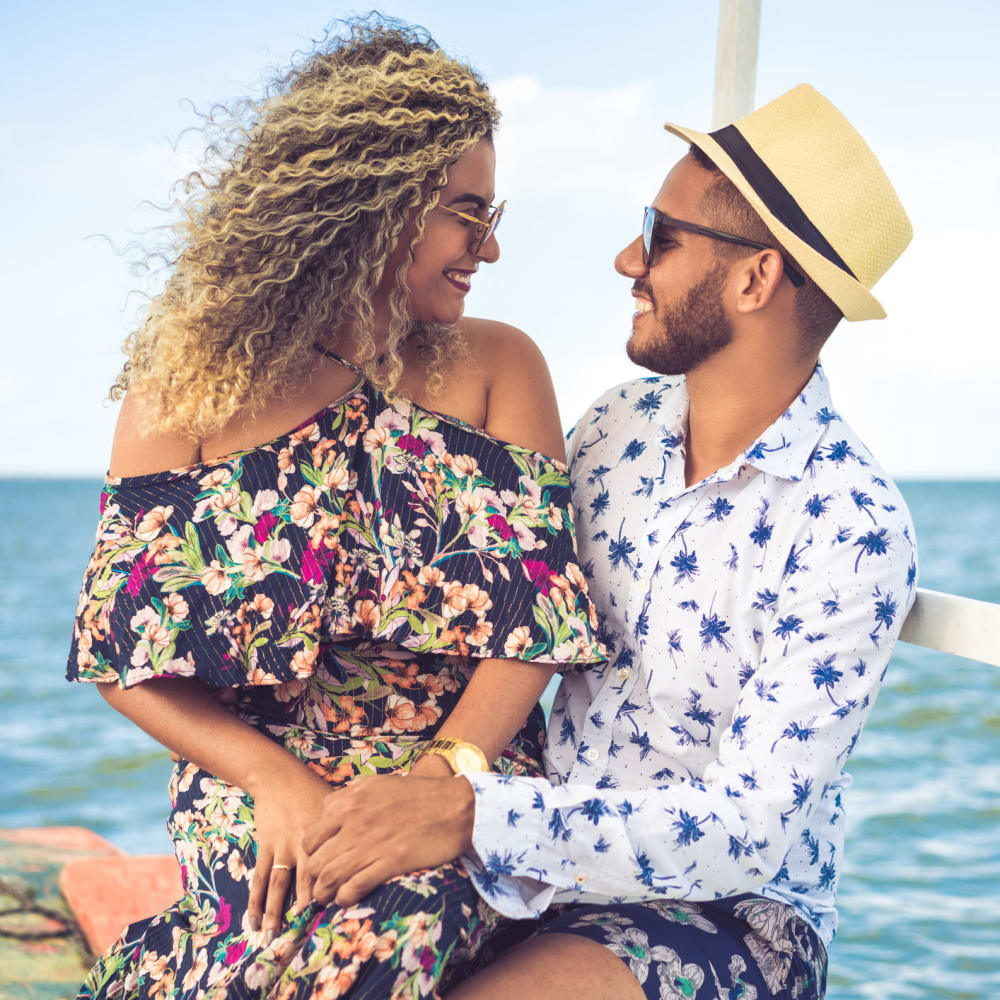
[(798, 719)]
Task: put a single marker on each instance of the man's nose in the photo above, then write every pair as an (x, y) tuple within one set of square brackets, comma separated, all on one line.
[(629, 260)]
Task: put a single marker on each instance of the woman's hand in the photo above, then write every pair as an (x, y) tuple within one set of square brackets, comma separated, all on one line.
[(286, 802), (380, 827)]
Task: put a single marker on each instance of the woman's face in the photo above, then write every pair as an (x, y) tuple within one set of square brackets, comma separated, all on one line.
[(445, 260)]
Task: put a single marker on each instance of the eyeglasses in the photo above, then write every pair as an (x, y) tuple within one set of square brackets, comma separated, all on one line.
[(652, 220), (485, 228)]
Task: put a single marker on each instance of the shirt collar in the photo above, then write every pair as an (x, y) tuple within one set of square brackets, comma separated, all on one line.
[(785, 448)]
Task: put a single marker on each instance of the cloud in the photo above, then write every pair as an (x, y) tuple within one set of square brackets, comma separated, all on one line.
[(571, 144)]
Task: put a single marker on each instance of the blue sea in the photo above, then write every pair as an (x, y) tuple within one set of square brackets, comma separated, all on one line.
[(920, 892)]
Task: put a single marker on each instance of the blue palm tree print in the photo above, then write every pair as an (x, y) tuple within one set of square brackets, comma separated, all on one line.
[(749, 619)]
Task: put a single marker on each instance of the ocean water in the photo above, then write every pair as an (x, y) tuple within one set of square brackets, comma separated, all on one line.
[(920, 893)]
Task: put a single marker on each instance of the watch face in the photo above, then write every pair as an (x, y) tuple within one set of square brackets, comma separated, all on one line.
[(467, 760)]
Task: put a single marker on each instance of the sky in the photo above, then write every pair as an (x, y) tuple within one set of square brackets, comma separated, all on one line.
[(95, 98)]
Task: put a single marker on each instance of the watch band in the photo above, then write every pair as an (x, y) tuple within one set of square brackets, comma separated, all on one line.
[(463, 757)]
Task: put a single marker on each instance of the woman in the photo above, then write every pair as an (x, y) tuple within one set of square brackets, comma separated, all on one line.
[(364, 536)]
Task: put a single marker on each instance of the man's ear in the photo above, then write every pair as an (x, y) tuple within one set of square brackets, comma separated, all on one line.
[(758, 278)]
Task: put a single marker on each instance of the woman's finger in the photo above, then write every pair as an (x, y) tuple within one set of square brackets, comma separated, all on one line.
[(354, 889), (258, 889), (277, 893)]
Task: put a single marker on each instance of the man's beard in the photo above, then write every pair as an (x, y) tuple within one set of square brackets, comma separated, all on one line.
[(690, 332)]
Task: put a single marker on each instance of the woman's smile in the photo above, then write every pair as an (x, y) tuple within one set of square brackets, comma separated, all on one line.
[(459, 278)]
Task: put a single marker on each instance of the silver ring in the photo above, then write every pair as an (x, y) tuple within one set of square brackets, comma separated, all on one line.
[(284, 868)]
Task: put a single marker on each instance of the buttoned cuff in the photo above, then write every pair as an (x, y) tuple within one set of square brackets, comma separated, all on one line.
[(506, 863)]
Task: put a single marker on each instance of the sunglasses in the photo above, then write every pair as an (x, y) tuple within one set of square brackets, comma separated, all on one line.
[(486, 228), (652, 220)]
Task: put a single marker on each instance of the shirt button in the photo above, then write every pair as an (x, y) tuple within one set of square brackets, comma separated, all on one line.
[(591, 755), (623, 673)]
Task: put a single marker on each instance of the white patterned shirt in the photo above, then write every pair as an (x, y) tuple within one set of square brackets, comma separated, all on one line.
[(749, 620)]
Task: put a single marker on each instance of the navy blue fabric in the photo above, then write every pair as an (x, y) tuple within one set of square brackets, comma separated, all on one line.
[(741, 948)]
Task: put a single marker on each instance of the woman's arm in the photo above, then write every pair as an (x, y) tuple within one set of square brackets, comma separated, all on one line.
[(181, 714), (521, 408), (359, 841)]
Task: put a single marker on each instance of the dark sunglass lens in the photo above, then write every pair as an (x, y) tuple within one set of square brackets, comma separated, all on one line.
[(648, 224)]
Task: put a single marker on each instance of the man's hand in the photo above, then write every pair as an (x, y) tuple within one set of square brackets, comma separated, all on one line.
[(380, 827)]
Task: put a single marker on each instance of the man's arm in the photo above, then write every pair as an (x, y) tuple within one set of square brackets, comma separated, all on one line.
[(798, 719)]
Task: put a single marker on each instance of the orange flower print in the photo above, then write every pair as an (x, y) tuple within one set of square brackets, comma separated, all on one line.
[(159, 636), (286, 460), (290, 690), (430, 576), (480, 634), (471, 503), (405, 674), (262, 605), (303, 662), (464, 465), (216, 477), (385, 947), (337, 478), (324, 531), (575, 576), (214, 578), (407, 588), (366, 614), (454, 601), (153, 523), (304, 506), (176, 607), (160, 549), (253, 566), (476, 600), (308, 432), (343, 714), (517, 642), (403, 716), (225, 501)]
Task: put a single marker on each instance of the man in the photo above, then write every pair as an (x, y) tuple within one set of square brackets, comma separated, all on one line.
[(752, 566)]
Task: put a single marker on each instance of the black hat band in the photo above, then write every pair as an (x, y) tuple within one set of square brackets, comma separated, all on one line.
[(775, 195)]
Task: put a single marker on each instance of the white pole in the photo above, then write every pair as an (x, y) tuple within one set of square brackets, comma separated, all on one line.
[(735, 60)]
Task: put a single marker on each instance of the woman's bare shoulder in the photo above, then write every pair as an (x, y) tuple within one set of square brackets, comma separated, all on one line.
[(138, 451), (521, 404)]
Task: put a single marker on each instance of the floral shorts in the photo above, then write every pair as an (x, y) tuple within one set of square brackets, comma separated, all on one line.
[(742, 947)]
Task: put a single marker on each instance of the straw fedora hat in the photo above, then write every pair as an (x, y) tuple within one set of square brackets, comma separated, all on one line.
[(818, 187)]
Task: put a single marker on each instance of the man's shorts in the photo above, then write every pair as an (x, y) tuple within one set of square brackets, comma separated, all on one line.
[(744, 946)]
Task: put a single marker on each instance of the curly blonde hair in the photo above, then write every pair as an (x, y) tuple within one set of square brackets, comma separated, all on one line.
[(286, 229)]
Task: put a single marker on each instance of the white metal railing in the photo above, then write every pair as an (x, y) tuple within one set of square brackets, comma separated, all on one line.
[(953, 624)]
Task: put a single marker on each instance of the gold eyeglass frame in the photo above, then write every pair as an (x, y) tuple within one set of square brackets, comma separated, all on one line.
[(487, 226)]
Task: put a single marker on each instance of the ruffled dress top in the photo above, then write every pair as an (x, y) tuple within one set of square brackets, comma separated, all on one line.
[(345, 578)]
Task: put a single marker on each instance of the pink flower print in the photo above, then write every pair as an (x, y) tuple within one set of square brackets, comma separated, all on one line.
[(413, 445), (223, 917), (235, 952), (501, 526), (263, 527), (427, 959), (538, 573), (312, 571), (141, 571), (105, 497)]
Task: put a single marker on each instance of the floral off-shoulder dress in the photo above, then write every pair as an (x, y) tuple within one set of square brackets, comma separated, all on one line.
[(345, 578)]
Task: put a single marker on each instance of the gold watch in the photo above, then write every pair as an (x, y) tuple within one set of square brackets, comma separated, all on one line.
[(462, 757)]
